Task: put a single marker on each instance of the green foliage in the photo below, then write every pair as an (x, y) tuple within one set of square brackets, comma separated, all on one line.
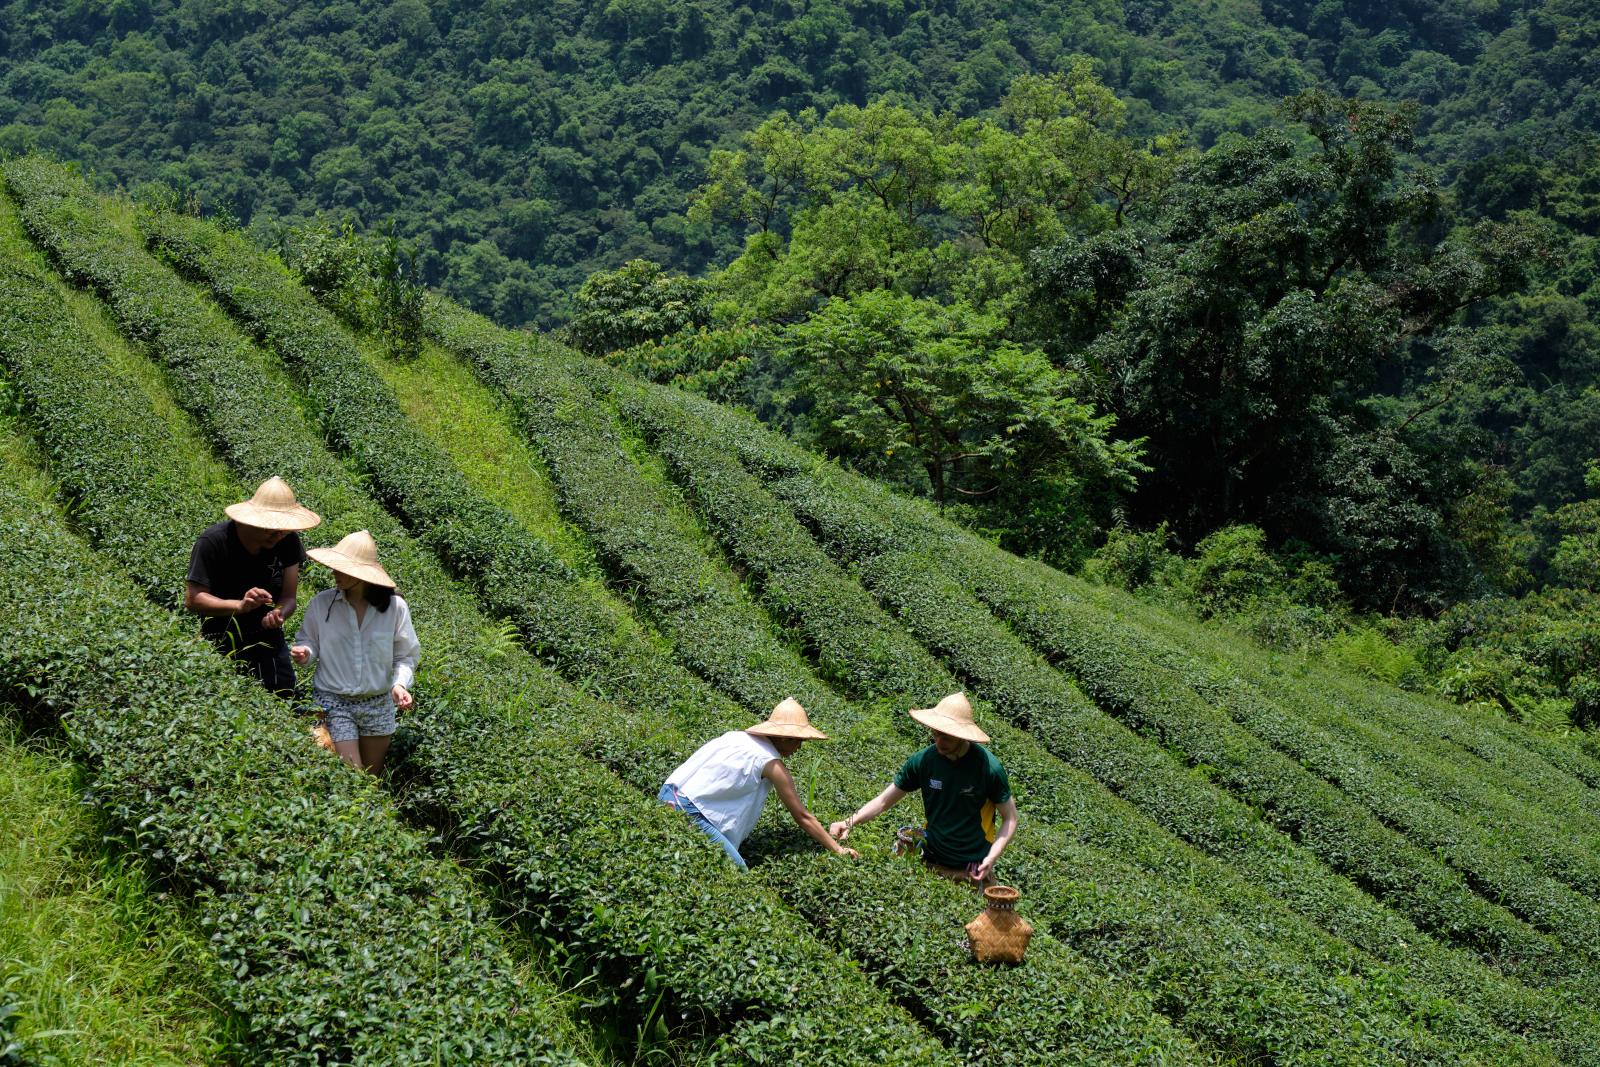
[(1046, 1018), (368, 282), (1576, 561), (521, 149), (1241, 326), (504, 755), (892, 197), (634, 305), (1585, 690), (847, 635), (1232, 571), (476, 754), (1132, 559), (95, 952), (413, 974), (937, 396), (1369, 651), (860, 533)]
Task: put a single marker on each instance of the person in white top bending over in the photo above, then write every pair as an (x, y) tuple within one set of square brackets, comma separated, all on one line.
[(360, 635), (724, 785)]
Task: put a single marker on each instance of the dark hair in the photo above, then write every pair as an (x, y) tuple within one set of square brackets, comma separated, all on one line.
[(379, 596)]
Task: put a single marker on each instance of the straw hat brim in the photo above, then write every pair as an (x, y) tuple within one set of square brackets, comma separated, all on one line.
[(934, 719), (292, 520), (333, 559), (783, 729)]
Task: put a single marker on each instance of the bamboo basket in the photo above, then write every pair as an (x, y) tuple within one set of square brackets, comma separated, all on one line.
[(999, 934)]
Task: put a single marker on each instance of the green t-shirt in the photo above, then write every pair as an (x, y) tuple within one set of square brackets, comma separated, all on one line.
[(959, 798)]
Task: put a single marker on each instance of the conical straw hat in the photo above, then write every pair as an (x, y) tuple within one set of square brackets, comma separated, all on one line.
[(953, 716), (273, 508), (788, 719), (357, 556)]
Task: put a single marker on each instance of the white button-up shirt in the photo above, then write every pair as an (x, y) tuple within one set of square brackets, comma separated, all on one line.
[(359, 659)]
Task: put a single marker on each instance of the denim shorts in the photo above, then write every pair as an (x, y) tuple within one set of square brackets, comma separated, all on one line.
[(350, 718)]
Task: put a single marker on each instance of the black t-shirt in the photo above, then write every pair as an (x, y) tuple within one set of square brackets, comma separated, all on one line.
[(221, 565)]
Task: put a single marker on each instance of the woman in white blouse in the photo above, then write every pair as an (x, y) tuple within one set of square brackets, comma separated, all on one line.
[(360, 635), (724, 785)]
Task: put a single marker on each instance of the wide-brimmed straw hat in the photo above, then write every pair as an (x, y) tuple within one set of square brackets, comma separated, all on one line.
[(788, 719), (273, 508), (953, 716), (357, 556)]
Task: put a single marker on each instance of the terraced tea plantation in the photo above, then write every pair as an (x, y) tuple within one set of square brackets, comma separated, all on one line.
[(1230, 857)]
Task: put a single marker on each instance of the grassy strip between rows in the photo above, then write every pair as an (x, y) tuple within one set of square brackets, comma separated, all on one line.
[(872, 521), (587, 481), (100, 966), (562, 837), (336, 935), (957, 1027)]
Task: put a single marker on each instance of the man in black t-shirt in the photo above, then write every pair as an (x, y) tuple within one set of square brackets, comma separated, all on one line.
[(244, 573)]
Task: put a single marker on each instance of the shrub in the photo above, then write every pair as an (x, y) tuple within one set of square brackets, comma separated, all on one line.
[(853, 532), (637, 303), (338, 936), (1367, 652), (1232, 571), (1132, 559), (505, 783), (785, 568), (1585, 692)]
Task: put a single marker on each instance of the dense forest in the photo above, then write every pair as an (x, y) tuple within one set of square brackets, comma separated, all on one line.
[(1286, 310)]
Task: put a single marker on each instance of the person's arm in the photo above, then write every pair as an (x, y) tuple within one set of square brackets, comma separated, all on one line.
[(406, 651), (304, 649), (777, 772), (201, 601), (291, 588), (869, 811), (1002, 837)]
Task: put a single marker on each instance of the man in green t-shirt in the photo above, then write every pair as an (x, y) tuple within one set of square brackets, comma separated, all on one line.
[(963, 789)]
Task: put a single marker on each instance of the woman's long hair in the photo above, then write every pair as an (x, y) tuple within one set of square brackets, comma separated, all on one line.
[(379, 596)]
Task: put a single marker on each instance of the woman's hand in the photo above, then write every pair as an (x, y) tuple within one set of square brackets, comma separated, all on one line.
[(402, 697), (301, 654), (852, 853)]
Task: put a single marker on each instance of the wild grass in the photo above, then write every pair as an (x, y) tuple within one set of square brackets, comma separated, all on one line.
[(447, 403), (103, 967)]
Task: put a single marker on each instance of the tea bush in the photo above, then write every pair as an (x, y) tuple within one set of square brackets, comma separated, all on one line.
[(338, 936), (1052, 1009), (1274, 759), (476, 786), (624, 885), (476, 764), (212, 266), (526, 369), (858, 521)]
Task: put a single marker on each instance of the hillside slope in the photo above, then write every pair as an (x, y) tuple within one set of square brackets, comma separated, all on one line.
[(1228, 860)]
